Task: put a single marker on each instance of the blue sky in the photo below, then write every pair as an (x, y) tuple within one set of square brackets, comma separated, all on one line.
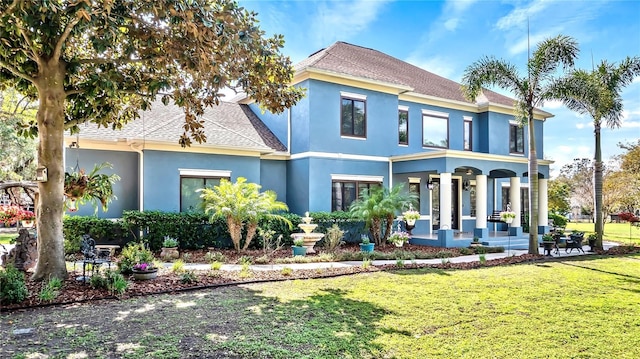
[(444, 37)]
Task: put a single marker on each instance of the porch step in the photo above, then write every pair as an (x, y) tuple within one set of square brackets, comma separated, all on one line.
[(515, 243)]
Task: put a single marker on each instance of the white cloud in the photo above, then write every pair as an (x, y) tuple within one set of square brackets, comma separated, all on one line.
[(525, 41), (451, 24), (519, 16), (552, 105), (438, 65), (332, 22), (630, 124), (565, 154)]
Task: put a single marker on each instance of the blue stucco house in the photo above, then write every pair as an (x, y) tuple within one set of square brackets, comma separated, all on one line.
[(367, 119)]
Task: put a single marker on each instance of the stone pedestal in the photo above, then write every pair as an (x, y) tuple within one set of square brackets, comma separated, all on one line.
[(25, 254)]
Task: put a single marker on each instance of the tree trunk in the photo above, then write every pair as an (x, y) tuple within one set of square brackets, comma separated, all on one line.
[(252, 227), (597, 182), (533, 188), (235, 231), (388, 227), (376, 228), (49, 211)]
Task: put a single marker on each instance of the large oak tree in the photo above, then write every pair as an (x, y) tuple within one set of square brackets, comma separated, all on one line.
[(104, 61)]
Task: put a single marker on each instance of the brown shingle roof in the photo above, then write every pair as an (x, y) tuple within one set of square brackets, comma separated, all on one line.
[(348, 59), (226, 125)]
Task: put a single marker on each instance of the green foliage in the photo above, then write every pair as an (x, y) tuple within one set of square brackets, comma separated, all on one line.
[(483, 258), (194, 229), (215, 265), (100, 229), (188, 277), (110, 280), (169, 242), (215, 257), (377, 207), (558, 220), (18, 153), (242, 205), (178, 266), (93, 187), (286, 271), (333, 238), (133, 253), (559, 194), (50, 290), (12, 286)]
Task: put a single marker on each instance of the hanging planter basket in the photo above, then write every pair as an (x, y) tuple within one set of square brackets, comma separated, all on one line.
[(94, 187)]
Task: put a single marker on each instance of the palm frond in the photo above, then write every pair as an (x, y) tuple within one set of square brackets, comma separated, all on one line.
[(489, 71)]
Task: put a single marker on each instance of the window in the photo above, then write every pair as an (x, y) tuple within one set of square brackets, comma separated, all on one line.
[(435, 130), (516, 139), (343, 193), (190, 200), (403, 127), (472, 198), (353, 120), (467, 134), (414, 188)]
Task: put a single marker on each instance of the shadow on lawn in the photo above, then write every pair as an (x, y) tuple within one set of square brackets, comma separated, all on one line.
[(573, 262)]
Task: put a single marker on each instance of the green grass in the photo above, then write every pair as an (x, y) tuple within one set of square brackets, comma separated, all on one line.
[(615, 232), (5, 238), (586, 307)]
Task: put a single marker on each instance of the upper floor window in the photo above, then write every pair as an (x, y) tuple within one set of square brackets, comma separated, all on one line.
[(192, 180), (343, 193), (516, 139), (467, 134), (435, 129), (403, 127), (353, 118)]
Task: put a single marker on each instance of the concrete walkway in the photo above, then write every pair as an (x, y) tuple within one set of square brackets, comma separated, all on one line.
[(320, 265)]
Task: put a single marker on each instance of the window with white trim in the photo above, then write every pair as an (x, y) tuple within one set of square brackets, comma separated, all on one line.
[(403, 127), (194, 179), (353, 118), (345, 192), (516, 139), (467, 135), (435, 130)]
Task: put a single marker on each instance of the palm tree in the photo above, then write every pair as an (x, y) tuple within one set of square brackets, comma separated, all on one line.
[(242, 204), (378, 205), (530, 92), (597, 93)]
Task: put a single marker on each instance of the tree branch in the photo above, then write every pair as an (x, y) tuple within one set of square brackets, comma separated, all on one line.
[(26, 38), (120, 61), (15, 71), (64, 36), (11, 7)]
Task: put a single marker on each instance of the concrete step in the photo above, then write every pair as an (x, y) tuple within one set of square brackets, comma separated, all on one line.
[(515, 243)]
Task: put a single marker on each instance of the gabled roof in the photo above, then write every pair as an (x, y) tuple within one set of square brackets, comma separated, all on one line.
[(347, 59), (228, 125)]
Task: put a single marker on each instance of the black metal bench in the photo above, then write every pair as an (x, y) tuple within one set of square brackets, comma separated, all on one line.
[(574, 242), (93, 256)]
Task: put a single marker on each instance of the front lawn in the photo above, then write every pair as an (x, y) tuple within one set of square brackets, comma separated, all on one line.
[(615, 232), (587, 307)]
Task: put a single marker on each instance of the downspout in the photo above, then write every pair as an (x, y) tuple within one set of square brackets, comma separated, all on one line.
[(140, 174), (390, 173)]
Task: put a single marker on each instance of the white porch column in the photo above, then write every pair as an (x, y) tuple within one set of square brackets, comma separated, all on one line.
[(543, 203), (481, 231), (445, 200), (481, 201), (514, 198)]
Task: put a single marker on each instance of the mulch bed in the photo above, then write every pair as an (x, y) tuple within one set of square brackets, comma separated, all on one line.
[(74, 291)]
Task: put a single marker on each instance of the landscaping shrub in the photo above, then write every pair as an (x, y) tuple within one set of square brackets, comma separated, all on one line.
[(104, 231), (192, 229), (558, 220), (12, 286), (134, 253)]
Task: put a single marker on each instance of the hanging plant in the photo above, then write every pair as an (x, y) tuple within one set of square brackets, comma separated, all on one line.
[(80, 187)]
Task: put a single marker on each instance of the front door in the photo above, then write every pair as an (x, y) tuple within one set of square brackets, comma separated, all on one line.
[(455, 204)]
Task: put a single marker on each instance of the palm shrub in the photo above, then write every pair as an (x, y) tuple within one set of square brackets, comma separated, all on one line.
[(242, 205), (530, 91), (378, 206)]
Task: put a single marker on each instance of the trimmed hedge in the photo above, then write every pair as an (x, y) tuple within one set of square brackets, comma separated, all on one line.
[(104, 231), (193, 230)]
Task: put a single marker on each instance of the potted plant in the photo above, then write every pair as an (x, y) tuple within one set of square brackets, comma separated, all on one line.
[(476, 242), (398, 238), (144, 271), (507, 216), (592, 241), (170, 248), (366, 245), (94, 187), (27, 218), (411, 216), (132, 254), (548, 243), (298, 247)]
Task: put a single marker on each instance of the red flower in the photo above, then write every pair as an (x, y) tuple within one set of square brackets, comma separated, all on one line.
[(629, 217)]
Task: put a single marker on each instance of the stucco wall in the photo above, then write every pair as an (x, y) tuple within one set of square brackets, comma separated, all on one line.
[(125, 165)]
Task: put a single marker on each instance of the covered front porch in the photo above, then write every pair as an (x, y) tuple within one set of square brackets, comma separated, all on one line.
[(460, 193)]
